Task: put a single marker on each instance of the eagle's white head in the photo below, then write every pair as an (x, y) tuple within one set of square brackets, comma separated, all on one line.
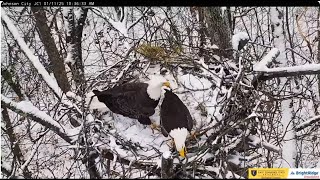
[(155, 86), (179, 136)]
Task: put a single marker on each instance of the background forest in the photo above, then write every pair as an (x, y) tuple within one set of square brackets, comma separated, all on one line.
[(250, 76)]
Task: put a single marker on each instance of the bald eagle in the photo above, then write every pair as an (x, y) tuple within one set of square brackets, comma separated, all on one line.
[(175, 120), (134, 100)]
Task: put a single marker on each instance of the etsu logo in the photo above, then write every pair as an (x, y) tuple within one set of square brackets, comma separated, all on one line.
[(253, 172)]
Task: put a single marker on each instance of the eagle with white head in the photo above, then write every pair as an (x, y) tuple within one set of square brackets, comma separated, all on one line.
[(175, 119), (136, 100)]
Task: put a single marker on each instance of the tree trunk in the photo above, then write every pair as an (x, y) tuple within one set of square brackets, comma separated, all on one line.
[(317, 104), (49, 44), (16, 150), (289, 143), (166, 168), (74, 37), (202, 31), (219, 30)]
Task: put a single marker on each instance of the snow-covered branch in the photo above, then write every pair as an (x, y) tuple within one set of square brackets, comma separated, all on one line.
[(267, 60), (256, 141), (267, 73), (6, 169), (307, 69), (139, 165), (32, 154), (27, 108), (119, 76), (52, 83), (118, 25), (308, 123)]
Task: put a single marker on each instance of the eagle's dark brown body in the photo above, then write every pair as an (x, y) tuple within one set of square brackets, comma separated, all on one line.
[(130, 100), (174, 114)]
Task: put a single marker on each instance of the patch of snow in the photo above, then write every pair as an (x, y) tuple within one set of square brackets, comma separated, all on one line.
[(69, 58), (234, 159), (238, 37), (73, 95), (306, 67), (27, 107), (213, 46), (267, 59), (166, 154), (194, 83), (133, 131), (95, 103), (254, 140), (77, 13)]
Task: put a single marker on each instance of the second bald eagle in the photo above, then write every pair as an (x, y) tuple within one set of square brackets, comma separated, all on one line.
[(175, 120)]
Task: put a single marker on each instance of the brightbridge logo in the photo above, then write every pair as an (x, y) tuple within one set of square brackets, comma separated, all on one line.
[(304, 173)]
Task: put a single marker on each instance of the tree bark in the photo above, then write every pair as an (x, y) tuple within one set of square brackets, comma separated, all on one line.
[(74, 41), (219, 30), (16, 150), (45, 123), (202, 31), (49, 44), (317, 105), (166, 168)]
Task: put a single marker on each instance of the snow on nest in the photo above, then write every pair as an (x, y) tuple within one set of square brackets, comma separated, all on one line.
[(166, 154), (200, 92), (195, 83), (132, 130)]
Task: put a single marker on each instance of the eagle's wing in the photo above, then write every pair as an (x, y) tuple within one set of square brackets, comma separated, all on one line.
[(132, 100)]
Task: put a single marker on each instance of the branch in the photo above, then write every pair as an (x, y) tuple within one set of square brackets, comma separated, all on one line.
[(267, 60), (308, 123), (7, 76), (265, 73), (52, 83), (51, 48), (32, 154), (139, 165), (134, 23), (256, 142), (26, 108), (5, 169), (15, 146), (307, 69), (119, 26)]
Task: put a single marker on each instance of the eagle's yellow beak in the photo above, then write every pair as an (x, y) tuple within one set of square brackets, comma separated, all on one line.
[(182, 152), (166, 84)]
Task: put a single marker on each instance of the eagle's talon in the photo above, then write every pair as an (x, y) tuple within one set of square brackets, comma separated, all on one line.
[(154, 126), (194, 135), (170, 143)]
